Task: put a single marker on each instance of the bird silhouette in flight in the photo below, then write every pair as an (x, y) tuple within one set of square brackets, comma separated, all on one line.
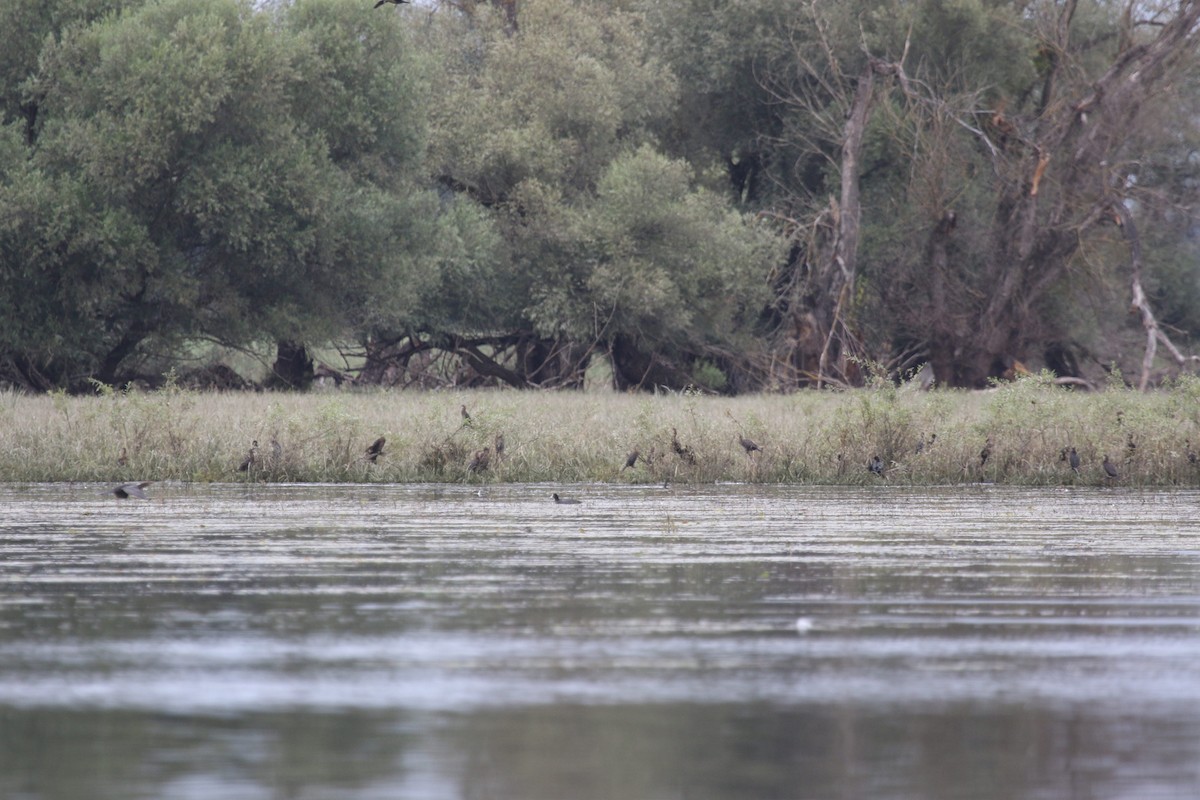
[(128, 490), (375, 450)]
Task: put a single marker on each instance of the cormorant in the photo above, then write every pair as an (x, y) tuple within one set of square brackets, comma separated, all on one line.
[(480, 461), (1109, 469), (251, 457)]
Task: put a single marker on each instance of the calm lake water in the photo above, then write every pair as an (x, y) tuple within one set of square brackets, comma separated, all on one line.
[(712, 643)]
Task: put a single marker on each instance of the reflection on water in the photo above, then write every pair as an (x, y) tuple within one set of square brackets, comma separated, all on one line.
[(712, 642)]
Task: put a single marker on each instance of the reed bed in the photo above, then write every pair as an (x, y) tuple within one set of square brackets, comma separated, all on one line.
[(921, 438)]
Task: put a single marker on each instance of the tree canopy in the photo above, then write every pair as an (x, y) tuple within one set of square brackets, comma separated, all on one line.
[(753, 196)]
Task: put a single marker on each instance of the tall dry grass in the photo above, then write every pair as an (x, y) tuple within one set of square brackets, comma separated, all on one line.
[(807, 437)]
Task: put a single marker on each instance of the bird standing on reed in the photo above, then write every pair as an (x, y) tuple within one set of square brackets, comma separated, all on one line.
[(1110, 469), (985, 453), (466, 415), (876, 465), (749, 445), (683, 451), (631, 458), (1073, 460), (375, 450), (251, 458), (480, 460), (123, 458)]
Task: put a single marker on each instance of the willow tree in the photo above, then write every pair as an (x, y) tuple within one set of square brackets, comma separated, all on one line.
[(210, 171), (610, 248)]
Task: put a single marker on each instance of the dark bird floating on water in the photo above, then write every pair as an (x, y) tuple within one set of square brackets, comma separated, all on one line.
[(564, 501), (376, 449), (1073, 459), (1109, 469), (251, 457), (748, 445), (128, 490), (393, 2), (876, 465), (631, 458)]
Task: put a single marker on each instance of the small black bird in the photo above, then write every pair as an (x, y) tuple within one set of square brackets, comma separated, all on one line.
[(748, 445), (564, 501), (1073, 459), (251, 458), (631, 459), (375, 450), (876, 465), (1109, 469), (393, 2), (127, 490)]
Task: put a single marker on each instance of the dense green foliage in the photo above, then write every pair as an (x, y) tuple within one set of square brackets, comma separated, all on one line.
[(742, 196)]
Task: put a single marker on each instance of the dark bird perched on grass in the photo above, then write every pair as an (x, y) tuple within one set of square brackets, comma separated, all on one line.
[(251, 458), (683, 451), (480, 461), (564, 501), (466, 415), (499, 446), (123, 459), (748, 445), (1073, 460), (876, 465), (393, 2), (276, 449), (1110, 469), (1191, 454), (921, 445), (631, 458), (985, 453), (1130, 448), (375, 450), (128, 490)]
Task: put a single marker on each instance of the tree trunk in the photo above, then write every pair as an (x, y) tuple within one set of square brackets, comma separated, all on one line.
[(293, 367)]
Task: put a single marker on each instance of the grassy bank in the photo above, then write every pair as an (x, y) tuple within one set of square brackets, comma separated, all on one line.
[(809, 437)]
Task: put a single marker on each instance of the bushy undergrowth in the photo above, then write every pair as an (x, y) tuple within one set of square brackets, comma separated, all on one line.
[(1026, 427)]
